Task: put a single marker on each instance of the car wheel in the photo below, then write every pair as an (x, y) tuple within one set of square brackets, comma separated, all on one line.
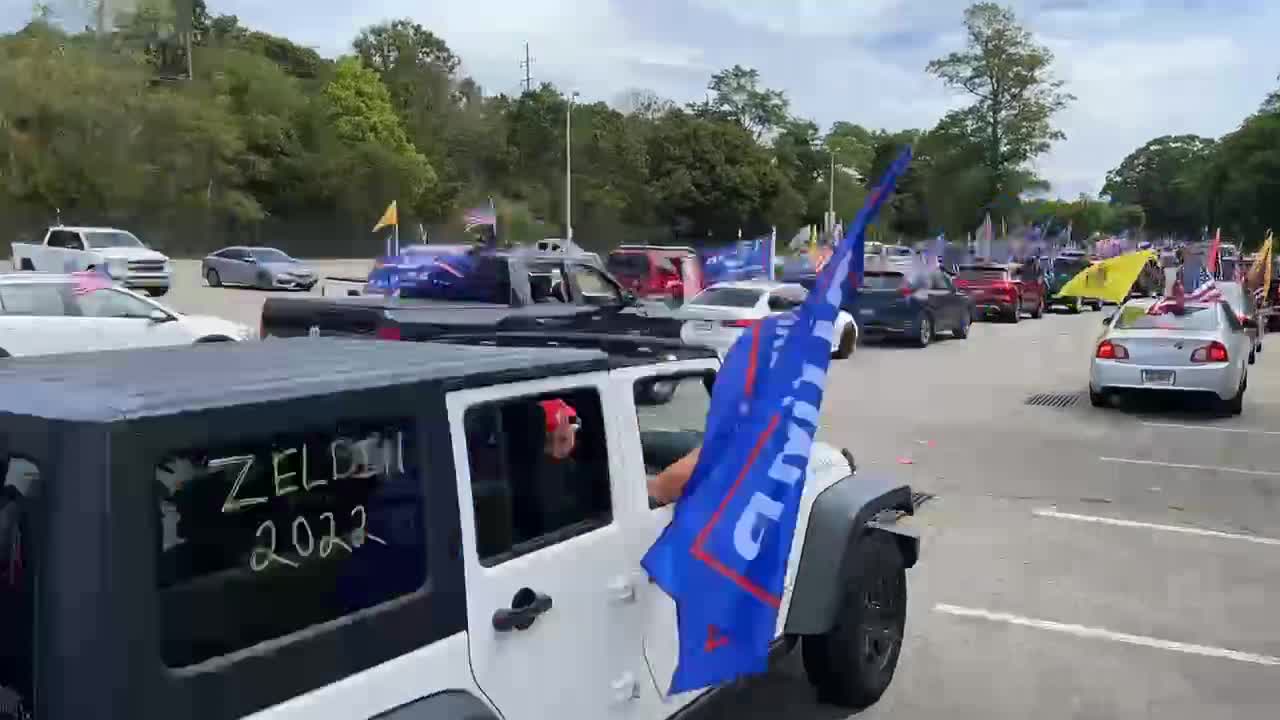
[(1253, 356), (961, 331), (1235, 405), (1097, 399), (925, 334), (26, 265), (1039, 311), (848, 339), (1016, 317), (213, 278), (852, 664), (1074, 307)]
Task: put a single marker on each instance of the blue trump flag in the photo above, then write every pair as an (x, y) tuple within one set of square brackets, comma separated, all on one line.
[(723, 558), (743, 260)]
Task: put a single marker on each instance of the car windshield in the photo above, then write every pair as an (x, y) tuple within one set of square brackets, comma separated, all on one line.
[(629, 265), (975, 273), (728, 297), (270, 255), (111, 239), (1192, 317)]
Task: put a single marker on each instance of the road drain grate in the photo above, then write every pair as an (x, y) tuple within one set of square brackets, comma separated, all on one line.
[(1053, 400)]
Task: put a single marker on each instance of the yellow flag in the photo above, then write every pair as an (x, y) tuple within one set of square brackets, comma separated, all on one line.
[(1110, 279), (390, 217), (1260, 273)]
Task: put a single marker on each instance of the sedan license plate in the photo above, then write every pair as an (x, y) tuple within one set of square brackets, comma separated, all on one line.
[(703, 326), (1157, 377)]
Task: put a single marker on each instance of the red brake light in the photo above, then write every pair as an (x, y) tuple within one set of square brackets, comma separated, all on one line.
[(1108, 350), (388, 332), (738, 323), (906, 290), (1213, 352), (961, 283)]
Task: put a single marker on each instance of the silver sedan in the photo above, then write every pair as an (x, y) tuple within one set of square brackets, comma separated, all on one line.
[(260, 267), (1202, 349)]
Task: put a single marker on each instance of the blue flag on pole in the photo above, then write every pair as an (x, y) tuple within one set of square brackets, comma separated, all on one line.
[(742, 260), (723, 558)]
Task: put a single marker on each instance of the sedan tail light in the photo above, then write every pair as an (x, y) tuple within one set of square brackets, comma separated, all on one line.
[(1213, 352), (1108, 350), (742, 323), (388, 332)]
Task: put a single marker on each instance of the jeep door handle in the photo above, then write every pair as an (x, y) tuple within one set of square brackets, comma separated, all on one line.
[(526, 606)]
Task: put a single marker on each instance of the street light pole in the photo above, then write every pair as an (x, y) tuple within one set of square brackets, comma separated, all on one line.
[(831, 199), (568, 169)]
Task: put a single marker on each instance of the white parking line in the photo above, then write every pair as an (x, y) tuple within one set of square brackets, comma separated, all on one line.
[(1048, 513), (1215, 428), (1187, 466), (1083, 631)]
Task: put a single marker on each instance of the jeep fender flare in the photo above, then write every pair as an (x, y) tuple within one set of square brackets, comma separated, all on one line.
[(840, 516), (448, 705)]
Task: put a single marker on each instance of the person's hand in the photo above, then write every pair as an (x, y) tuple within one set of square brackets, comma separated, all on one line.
[(669, 484)]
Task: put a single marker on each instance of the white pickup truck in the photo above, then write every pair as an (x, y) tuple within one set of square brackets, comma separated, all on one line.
[(70, 249)]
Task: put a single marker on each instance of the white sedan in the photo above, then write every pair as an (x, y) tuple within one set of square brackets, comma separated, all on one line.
[(46, 314), (1202, 349), (715, 317)]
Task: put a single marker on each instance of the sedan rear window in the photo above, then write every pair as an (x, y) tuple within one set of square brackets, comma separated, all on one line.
[(972, 273), (43, 299), (883, 280), (728, 297), (1193, 317)]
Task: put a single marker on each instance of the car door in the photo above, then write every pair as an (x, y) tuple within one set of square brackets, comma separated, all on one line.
[(553, 622), (239, 270), (942, 302), (670, 423), (122, 320), (39, 319)]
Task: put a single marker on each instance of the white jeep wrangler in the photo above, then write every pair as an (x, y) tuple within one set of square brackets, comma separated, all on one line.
[(318, 528)]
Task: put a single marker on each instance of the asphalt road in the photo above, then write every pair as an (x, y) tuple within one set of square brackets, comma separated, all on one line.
[(1055, 581), (1077, 562)]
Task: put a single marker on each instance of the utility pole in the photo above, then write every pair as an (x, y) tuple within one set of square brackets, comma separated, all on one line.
[(528, 69), (831, 198), (568, 168)]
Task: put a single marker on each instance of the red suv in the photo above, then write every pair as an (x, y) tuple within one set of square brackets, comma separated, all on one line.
[(657, 272), (1005, 289)]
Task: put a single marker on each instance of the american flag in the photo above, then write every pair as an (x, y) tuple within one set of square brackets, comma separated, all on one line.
[(480, 217), (1206, 288), (89, 281), (1172, 302)]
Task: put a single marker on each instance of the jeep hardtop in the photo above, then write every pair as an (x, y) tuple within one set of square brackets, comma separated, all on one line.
[(332, 528)]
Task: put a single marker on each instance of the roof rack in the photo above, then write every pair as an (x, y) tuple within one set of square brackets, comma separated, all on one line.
[(682, 248)]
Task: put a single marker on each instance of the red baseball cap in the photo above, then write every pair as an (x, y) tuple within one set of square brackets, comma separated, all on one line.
[(559, 412)]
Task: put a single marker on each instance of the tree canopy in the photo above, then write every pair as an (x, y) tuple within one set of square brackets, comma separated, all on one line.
[(254, 138)]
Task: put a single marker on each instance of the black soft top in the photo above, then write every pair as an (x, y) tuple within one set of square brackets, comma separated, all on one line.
[(110, 386)]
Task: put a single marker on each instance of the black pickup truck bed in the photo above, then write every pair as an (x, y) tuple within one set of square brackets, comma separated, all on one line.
[(404, 319)]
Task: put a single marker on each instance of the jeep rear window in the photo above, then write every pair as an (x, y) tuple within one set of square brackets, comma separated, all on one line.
[(630, 265), (19, 483), (277, 534)]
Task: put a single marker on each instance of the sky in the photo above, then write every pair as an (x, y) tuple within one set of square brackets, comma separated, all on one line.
[(1139, 68)]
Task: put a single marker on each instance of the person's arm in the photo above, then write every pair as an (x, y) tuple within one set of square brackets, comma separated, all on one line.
[(669, 484)]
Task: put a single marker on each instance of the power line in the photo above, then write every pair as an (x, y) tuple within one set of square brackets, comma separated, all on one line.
[(529, 68)]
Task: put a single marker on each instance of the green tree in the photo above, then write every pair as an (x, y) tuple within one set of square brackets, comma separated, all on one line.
[(1160, 176), (736, 95), (1015, 96), (359, 110)]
